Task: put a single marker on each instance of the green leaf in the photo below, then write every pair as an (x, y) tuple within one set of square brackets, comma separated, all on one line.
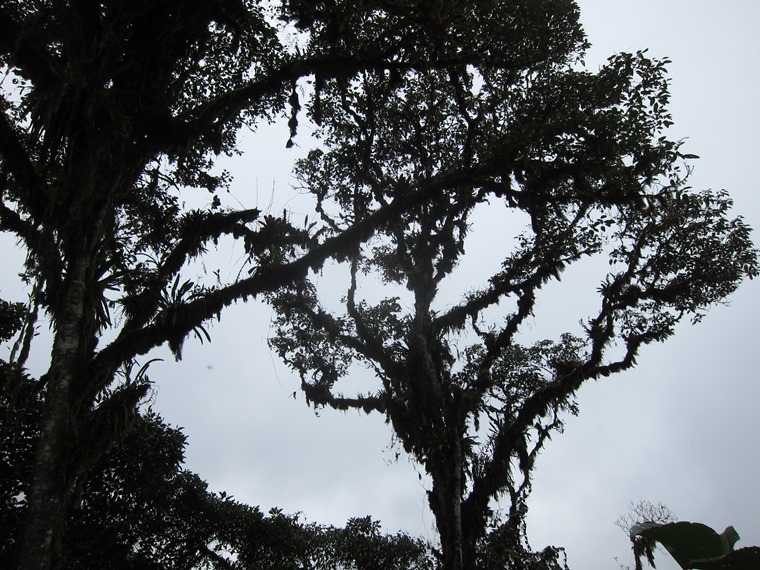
[(689, 543), (742, 559)]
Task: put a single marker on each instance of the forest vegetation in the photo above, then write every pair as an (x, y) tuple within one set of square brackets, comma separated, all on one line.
[(423, 112)]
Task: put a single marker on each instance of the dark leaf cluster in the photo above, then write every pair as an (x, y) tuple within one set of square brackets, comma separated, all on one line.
[(139, 508), (581, 166)]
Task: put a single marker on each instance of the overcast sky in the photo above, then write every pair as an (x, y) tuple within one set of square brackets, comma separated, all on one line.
[(681, 428)]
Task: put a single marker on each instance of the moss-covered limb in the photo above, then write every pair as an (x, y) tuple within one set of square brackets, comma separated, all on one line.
[(131, 343), (197, 230), (30, 188), (640, 305), (37, 242)]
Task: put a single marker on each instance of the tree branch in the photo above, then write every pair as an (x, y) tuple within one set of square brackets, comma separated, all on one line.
[(176, 132), (497, 472), (30, 57), (199, 228), (373, 347), (133, 342), (31, 186), (10, 221), (320, 396)]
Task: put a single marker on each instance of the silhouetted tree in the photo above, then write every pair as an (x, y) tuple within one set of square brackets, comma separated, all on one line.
[(578, 165), (140, 509), (112, 111)]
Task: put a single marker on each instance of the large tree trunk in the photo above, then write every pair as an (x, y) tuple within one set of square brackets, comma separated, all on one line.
[(50, 488), (447, 471)]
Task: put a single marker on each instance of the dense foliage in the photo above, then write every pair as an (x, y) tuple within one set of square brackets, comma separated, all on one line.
[(580, 167), (140, 509), (112, 115)]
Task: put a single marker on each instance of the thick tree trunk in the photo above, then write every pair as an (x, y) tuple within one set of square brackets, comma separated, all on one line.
[(446, 503), (49, 491)]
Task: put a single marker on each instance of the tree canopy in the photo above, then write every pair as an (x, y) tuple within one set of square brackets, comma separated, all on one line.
[(114, 112), (140, 508), (581, 167)]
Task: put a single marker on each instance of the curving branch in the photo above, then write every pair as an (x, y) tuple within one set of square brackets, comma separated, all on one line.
[(373, 348), (11, 221), (18, 162), (133, 342), (198, 230), (176, 132)]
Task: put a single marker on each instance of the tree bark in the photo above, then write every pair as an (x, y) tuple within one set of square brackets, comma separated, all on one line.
[(446, 503), (50, 488)]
